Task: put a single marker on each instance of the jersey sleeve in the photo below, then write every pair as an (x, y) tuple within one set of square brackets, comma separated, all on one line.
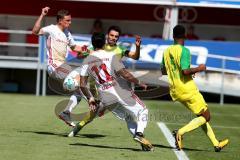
[(185, 61), (124, 51), (117, 63), (84, 70)]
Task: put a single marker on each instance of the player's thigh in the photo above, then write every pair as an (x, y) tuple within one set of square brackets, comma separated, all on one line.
[(57, 76), (59, 72), (118, 111), (196, 104), (137, 108)]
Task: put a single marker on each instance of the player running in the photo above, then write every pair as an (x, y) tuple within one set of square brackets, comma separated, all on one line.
[(58, 39), (106, 69), (176, 62)]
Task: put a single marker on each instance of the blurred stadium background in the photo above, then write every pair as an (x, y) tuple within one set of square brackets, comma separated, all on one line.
[(39, 135), (215, 40)]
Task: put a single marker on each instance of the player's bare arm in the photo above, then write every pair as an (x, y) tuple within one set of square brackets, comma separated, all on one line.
[(37, 26), (129, 77), (135, 55), (86, 92), (191, 71), (83, 87)]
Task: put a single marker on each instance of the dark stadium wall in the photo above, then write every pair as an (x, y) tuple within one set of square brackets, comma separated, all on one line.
[(116, 11)]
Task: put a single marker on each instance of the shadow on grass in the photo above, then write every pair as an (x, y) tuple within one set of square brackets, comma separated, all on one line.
[(192, 149), (92, 136), (45, 133), (104, 146), (184, 149)]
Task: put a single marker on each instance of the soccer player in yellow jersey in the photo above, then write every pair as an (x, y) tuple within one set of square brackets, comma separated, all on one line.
[(113, 35), (176, 63)]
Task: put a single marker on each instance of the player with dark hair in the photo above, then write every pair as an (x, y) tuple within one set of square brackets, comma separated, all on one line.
[(113, 35), (106, 68), (111, 45), (176, 63)]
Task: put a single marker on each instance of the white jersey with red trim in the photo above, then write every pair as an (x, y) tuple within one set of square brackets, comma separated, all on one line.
[(57, 43), (103, 67)]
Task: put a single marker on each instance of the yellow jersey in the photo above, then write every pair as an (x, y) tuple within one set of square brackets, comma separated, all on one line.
[(117, 49), (120, 51), (175, 59)]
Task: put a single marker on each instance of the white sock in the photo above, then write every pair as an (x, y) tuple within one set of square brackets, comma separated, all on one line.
[(142, 121), (74, 100)]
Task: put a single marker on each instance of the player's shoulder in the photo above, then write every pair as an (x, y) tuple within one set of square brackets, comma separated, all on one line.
[(102, 54), (97, 54), (121, 46), (185, 49), (50, 28), (169, 48)]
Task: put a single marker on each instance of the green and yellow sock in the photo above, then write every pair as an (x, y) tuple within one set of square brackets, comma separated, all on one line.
[(87, 118)]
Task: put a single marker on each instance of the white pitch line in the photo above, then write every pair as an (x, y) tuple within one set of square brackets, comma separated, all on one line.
[(168, 135)]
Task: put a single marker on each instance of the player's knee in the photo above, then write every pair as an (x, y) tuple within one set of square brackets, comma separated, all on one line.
[(144, 114), (143, 111), (206, 115), (208, 118), (78, 98)]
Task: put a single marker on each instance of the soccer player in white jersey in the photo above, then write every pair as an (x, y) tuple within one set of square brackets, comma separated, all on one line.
[(111, 45), (107, 69), (58, 39)]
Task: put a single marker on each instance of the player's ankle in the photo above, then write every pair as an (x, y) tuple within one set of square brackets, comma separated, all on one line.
[(140, 134)]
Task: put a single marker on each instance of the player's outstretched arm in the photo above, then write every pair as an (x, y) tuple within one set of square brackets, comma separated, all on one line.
[(129, 77), (37, 26), (135, 55), (191, 71)]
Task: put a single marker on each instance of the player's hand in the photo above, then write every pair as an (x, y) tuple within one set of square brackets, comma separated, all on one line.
[(83, 52), (202, 67), (138, 41), (45, 11), (144, 86), (92, 104), (84, 48)]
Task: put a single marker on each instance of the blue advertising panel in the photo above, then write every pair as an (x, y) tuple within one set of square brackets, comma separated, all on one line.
[(211, 3), (152, 52)]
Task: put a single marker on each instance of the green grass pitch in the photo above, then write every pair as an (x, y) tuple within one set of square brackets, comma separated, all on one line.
[(30, 130)]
